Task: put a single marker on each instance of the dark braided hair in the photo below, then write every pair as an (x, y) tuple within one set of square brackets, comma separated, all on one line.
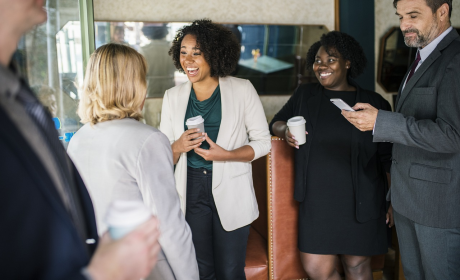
[(342, 44), (218, 44)]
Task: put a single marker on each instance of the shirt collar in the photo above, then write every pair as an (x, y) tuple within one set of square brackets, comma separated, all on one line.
[(10, 81), (428, 49)]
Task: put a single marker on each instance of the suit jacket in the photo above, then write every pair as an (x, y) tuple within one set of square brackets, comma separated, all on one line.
[(369, 160), (425, 130), (126, 159), (38, 239), (243, 123)]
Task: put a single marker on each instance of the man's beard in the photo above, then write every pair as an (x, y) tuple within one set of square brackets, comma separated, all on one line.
[(421, 40)]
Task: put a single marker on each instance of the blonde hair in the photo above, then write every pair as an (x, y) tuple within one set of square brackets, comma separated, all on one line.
[(115, 85)]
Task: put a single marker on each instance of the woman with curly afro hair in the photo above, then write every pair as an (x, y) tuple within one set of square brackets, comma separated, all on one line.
[(212, 167), (340, 174)]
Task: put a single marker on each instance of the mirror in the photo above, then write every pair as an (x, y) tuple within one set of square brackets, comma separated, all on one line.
[(395, 60), (272, 56)]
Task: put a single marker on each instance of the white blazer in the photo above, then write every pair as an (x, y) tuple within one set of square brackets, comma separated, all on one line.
[(243, 123), (126, 159)]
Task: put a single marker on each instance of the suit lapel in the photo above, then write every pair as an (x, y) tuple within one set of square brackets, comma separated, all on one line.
[(451, 36), (399, 91), (361, 141), (181, 103), (313, 105), (419, 73), (226, 123), (33, 166)]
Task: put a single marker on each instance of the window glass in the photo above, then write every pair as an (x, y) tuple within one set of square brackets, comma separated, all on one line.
[(50, 59)]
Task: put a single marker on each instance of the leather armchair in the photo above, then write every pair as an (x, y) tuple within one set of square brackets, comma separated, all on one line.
[(277, 223), (257, 250)]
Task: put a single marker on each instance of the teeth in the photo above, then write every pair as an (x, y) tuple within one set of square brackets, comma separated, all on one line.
[(325, 74), (191, 69)]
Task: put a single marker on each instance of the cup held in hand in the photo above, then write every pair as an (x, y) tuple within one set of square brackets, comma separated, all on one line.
[(196, 122), (297, 128), (124, 216)]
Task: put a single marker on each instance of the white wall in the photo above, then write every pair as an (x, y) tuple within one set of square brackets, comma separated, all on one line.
[(224, 11)]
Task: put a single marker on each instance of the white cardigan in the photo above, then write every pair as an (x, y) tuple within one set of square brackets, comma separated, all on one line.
[(243, 123), (126, 159)]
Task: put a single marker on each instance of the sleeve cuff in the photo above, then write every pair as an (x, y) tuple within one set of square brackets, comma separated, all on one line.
[(84, 271), (260, 148)]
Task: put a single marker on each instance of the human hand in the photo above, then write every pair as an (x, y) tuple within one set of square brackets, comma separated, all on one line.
[(215, 152), (364, 119), (290, 138), (186, 141), (390, 219), (131, 257)]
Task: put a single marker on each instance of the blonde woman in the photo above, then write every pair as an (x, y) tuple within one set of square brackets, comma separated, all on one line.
[(122, 158)]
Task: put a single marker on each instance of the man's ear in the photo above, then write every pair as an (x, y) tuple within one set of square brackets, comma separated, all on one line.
[(443, 12)]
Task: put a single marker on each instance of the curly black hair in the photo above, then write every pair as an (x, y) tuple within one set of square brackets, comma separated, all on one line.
[(345, 45), (218, 44)]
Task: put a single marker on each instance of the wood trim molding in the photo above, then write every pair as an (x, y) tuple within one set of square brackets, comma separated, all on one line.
[(337, 15), (380, 61)]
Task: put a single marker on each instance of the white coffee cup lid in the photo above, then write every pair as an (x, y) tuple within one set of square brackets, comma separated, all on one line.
[(194, 120), (295, 121), (122, 213)]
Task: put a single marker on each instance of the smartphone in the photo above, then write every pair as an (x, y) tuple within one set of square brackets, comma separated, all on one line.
[(341, 104)]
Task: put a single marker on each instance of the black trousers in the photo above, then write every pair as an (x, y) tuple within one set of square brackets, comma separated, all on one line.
[(428, 253), (220, 254)]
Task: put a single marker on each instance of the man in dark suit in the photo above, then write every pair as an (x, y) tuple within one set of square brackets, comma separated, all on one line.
[(47, 225), (425, 130)]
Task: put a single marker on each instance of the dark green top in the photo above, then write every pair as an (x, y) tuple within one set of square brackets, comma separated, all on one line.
[(211, 111)]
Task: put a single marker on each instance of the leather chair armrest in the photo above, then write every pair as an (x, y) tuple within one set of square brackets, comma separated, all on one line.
[(284, 259)]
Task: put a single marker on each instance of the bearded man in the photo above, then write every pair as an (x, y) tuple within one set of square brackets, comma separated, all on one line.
[(425, 130)]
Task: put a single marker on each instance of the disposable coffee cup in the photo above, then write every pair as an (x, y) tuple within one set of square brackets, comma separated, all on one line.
[(123, 216), (195, 122), (297, 128)]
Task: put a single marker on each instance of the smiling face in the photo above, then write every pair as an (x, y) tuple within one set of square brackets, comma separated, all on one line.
[(193, 62), (331, 69), (418, 23)]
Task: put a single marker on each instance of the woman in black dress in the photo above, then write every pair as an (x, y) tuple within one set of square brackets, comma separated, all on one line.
[(340, 174)]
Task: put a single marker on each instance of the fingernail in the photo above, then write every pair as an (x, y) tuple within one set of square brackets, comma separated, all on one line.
[(297, 143), (297, 147), (293, 137)]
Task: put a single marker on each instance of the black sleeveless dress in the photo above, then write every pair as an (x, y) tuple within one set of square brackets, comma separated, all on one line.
[(327, 216)]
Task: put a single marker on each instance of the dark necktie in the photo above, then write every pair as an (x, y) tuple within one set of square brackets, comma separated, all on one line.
[(43, 121), (414, 66)]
